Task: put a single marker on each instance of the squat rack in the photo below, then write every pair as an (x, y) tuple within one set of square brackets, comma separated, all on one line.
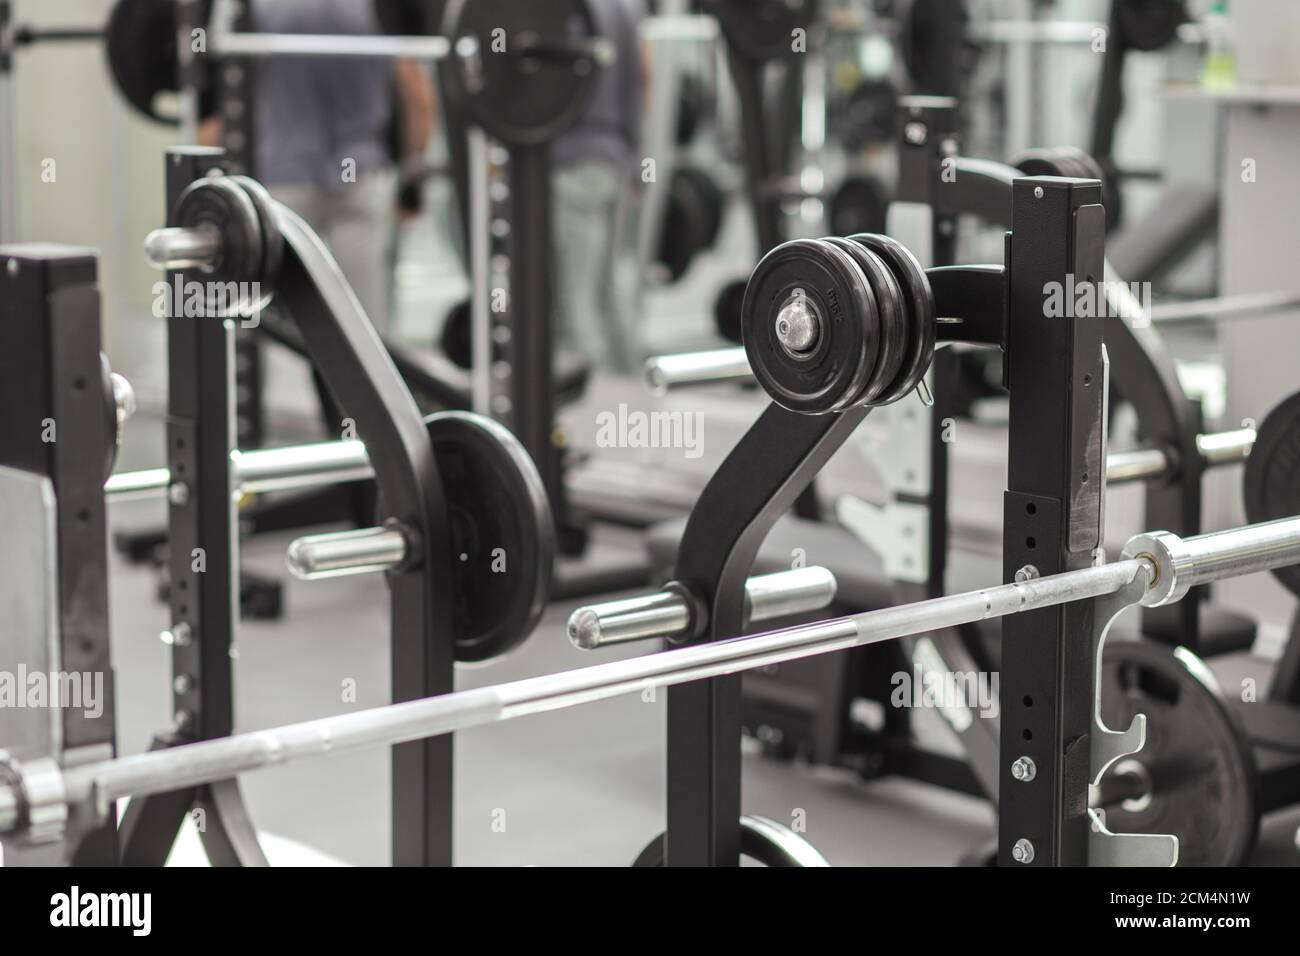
[(1155, 569)]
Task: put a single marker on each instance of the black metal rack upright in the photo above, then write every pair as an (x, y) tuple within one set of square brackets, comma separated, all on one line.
[(53, 423), (1056, 372), (203, 537)]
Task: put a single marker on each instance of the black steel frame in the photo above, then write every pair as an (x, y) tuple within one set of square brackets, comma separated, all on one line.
[(368, 387), (1057, 376), (51, 373), (1143, 372)]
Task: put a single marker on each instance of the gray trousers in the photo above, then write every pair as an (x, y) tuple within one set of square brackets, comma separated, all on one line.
[(357, 222), (590, 312)]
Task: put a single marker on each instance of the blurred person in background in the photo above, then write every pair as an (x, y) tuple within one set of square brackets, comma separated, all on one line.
[(596, 164), (331, 135)]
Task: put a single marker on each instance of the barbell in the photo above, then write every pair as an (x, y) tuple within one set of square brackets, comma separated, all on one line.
[(1164, 563), (523, 71)]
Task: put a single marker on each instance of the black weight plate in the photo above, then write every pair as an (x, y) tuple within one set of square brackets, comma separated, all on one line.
[(922, 314), (1086, 166), (934, 46), (457, 336), (272, 241), (141, 47), (221, 202), (685, 228), (758, 842), (727, 309), (893, 325), (1072, 161), (871, 114), (762, 30), (706, 193), (859, 205), (692, 106), (832, 375), (520, 100), (503, 538), (1040, 162), (1150, 24), (1201, 772), (1271, 484)]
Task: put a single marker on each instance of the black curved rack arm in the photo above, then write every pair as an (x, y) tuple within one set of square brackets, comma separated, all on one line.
[(758, 482), (357, 369)]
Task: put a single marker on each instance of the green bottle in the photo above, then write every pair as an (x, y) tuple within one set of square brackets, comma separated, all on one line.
[(1220, 69)]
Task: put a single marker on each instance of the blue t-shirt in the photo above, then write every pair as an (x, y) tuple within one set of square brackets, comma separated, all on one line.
[(314, 113), (610, 132)]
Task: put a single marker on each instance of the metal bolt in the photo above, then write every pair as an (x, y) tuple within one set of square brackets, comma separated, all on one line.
[(183, 683), (1027, 573), (1024, 769), (180, 635), (1023, 851), (798, 326), (916, 133), (178, 493), (182, 719), (1038, 192)]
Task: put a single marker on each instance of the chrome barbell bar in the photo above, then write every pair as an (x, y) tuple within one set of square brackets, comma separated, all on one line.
[(1165, 560), (381, 46)]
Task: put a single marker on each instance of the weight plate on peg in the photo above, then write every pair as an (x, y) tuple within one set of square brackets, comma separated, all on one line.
[(1195, 775), (692, 218), (919, 312), (707, 194), (1074, 162), (141, 46), (798, 280), (272, 241), (868, 117), (860, 204), (893, 321), (764, 841), (1271, 484), (457, 336), (763, 30), (518, 98), (934, 46), (503, 538), (1150, 24), (693, 108), (727, 307), (220, 202)]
